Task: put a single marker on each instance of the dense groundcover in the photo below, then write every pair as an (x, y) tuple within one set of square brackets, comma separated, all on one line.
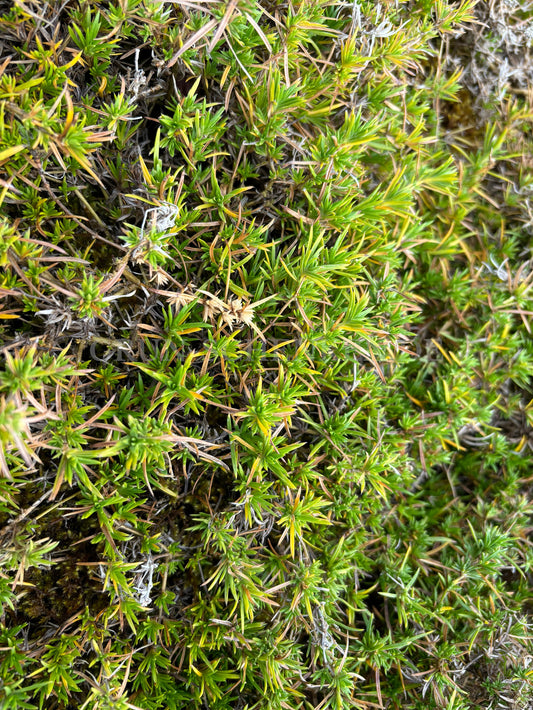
[(266, 411)]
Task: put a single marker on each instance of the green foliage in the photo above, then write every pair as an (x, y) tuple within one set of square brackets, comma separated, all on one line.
[(265, 391)]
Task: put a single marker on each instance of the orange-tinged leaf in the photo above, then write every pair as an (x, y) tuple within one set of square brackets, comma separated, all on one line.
[(9, 152)]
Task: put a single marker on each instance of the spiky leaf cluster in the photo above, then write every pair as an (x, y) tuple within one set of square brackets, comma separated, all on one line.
[(265, 397)]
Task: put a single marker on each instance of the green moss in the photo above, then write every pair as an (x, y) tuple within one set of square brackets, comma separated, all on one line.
[(265, 393)]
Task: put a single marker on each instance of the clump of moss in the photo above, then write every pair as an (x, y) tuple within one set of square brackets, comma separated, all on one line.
[(265, 397)]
